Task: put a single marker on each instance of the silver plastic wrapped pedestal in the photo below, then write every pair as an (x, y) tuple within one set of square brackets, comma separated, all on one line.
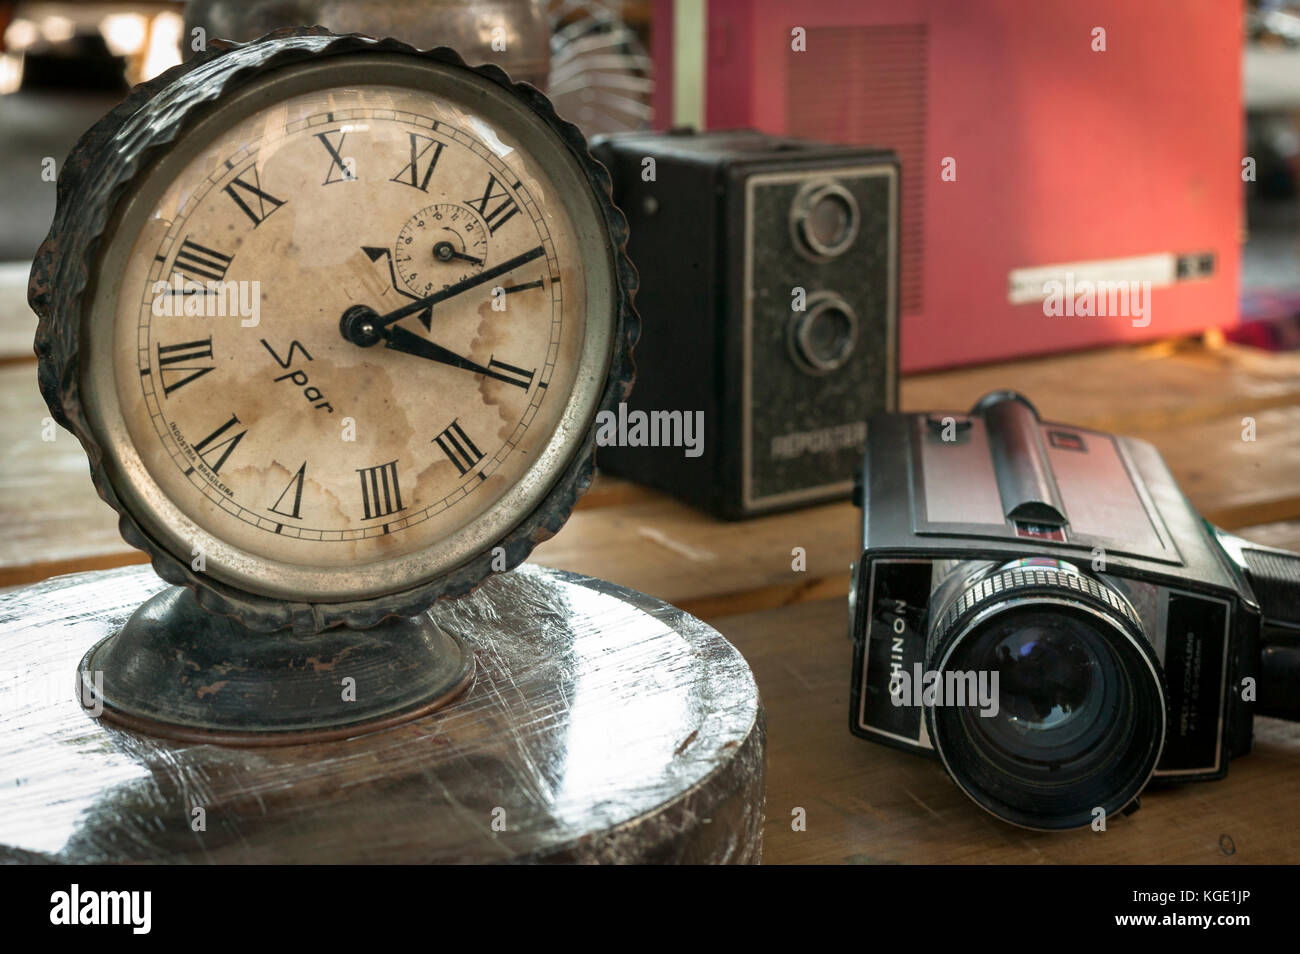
[(602, 726)]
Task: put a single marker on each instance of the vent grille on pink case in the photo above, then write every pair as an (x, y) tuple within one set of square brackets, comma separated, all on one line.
[(866, 86)]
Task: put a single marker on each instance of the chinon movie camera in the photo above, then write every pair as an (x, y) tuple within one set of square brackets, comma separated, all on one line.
[(1119, 636)]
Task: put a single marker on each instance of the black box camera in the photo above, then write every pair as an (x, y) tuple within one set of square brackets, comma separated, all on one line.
[(768, 302)]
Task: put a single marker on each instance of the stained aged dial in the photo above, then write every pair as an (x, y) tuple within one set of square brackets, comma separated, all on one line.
[(290, 439), (351, 329)]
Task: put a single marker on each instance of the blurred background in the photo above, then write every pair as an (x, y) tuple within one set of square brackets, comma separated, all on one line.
[(1270, 279), (615, 65), (65, 64)]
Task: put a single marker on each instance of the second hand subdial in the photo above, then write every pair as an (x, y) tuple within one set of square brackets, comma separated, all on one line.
[(439, 245)]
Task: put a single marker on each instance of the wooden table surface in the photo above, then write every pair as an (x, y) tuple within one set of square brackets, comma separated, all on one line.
[(1191, 398)]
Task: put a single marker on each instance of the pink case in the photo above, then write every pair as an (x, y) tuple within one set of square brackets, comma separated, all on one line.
[(1065, 156)]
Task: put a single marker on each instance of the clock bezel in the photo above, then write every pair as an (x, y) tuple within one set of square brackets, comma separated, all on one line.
[(264, 593), (161, 517)]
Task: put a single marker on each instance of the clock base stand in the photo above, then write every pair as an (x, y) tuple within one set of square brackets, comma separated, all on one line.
[(177, 671), (603, 725)]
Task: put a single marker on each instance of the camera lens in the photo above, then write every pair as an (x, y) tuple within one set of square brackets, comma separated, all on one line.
[(829, 220), (822, 337), (1059, 687), (824, 220), (1075, 718)]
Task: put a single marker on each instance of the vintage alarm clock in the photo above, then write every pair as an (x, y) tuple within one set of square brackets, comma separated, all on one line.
[(333, 319)]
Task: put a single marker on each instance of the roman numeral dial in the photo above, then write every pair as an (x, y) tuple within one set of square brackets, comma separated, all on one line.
[(179, 364), (215, 449), (381, 494), (247, 193), (510, 374), (289, 503), (495, 204), (201, 262), (341, 168), (458, 447), (424, 157), (446, 247)]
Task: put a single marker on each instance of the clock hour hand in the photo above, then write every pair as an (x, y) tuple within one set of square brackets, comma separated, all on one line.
[(398, 338)]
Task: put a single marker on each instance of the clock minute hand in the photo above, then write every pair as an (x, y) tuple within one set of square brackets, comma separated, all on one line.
[(383, 321)]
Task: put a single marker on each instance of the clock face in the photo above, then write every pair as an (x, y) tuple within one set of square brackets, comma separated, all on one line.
[(353, 332)]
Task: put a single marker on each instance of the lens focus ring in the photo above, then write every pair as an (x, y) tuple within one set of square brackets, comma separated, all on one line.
[(824, 220), (1018, 580), (1081, 717)]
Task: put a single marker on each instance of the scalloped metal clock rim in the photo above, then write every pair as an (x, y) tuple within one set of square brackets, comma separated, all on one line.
[(269, 594)]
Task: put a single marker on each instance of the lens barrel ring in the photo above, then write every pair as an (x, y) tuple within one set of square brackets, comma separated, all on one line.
[(1028, 796), (1019, 581)]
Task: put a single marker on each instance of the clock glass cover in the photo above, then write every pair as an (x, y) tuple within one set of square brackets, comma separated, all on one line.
[(360, 322)]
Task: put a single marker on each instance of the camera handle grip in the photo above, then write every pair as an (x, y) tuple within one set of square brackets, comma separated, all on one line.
[(1274, 576)]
